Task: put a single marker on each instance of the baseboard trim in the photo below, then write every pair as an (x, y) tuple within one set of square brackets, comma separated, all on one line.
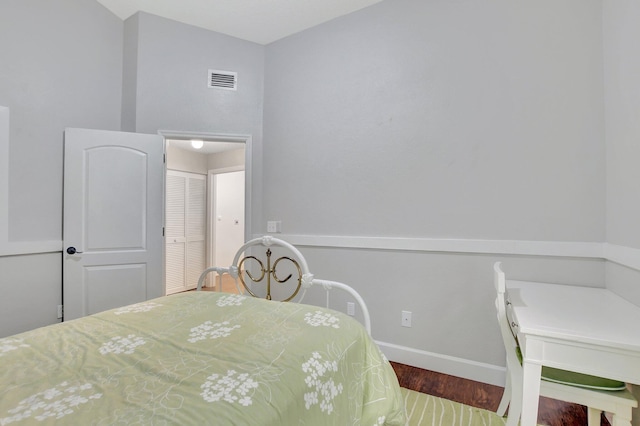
[(459, 367)]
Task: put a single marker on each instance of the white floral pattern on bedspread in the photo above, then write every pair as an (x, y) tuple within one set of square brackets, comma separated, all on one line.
[(53, 403), (10, 344), (200, 358)]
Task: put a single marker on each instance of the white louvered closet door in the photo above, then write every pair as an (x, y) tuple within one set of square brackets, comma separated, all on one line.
[(196, 229), (185, 230)]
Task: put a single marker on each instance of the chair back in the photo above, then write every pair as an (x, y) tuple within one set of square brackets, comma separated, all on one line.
[(502, 306)]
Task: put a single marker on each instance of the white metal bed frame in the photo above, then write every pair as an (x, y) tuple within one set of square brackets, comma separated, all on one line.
[(305, 277)]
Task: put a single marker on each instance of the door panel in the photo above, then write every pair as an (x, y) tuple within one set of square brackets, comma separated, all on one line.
[(105, 209), (175, 247), (196, 256), (196, 229), (114, 285), (174, 252), (113, 192)]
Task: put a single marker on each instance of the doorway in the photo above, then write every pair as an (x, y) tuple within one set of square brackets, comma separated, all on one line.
[(226, 197), (203, 225)]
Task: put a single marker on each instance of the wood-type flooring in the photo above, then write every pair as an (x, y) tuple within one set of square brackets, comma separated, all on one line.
[(551, 412)]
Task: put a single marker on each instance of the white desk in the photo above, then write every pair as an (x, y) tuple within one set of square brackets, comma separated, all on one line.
[(583, 329)]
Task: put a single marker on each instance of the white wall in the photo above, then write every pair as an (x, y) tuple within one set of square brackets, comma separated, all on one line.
[(185, 160), (190, 161), (232, 158)]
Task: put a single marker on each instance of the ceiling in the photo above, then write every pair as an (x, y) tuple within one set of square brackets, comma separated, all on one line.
[(259, 21)]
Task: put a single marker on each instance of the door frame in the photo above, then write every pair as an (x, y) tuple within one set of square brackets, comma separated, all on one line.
[(247, 140)]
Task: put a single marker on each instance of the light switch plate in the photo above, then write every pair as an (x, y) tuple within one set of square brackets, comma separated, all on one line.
[(406, 318), (274, 226)]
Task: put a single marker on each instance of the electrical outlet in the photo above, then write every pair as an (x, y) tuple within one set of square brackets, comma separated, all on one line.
[(60, 311), (406, 319), (351, 308)]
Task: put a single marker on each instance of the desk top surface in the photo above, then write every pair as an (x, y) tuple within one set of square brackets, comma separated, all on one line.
[(581, 314)]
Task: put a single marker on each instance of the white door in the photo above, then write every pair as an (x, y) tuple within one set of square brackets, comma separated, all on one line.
[(228, 216), (113, 206)]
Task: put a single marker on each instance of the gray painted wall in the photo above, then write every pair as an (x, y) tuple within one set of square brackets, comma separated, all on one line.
[(31, 291), (170, 67), (622, 101), (72, 63), (447, 119), (451, 296), (130, 73), (61, 67), (171, 79), (622, 75), (432, 119)]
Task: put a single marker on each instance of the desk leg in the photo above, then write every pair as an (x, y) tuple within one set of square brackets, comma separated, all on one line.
[(530, 393)]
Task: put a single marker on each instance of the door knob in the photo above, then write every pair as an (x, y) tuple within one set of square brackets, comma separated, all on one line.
[(72, 250)]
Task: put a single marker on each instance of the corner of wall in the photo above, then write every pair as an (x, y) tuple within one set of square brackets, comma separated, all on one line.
[(129, 74), (4, 176)]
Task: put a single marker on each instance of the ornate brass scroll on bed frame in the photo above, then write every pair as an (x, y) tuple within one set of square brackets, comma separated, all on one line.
[(269, 272), (244, 264)]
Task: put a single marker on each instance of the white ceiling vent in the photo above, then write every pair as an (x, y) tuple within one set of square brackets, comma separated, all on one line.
[(223, 80)]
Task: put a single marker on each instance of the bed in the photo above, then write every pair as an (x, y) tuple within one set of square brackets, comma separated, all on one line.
[(198, 358)]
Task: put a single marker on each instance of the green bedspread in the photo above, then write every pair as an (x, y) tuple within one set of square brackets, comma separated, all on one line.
[(199, 358)]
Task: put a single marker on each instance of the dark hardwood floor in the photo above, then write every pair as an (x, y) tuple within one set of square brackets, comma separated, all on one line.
[(551, 412)]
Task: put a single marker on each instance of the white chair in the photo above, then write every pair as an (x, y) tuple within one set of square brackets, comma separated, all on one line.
[(597, 394)]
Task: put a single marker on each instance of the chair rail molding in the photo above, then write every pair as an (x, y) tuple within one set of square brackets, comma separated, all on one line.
[(625, 256)]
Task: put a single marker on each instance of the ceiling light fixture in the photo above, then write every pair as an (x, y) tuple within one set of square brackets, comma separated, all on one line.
[(197, 143)]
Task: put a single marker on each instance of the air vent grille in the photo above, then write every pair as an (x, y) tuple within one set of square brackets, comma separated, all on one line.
[(227, 80)]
